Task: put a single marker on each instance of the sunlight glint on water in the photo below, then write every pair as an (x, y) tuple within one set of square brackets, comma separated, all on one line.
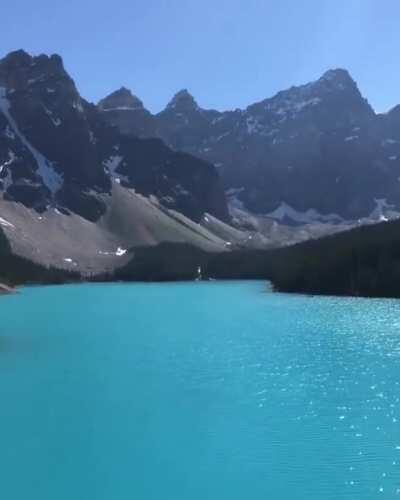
[(194, 391)]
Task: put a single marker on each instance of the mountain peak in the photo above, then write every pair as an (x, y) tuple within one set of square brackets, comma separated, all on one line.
[(20, 71), (17, 56), (21, 58), (339, 77), (183, 101), (121, 99), (394, 111)]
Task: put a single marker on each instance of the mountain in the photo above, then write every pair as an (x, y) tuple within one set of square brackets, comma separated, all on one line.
[(110, 191), (55, 149), (127, 112), (77, 193), (316, 152)]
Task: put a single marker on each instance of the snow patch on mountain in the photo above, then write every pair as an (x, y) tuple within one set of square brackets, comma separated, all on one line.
[(49, 113), (254, 126), (78, 106), (111, 165), (5, 223), (7, 163), (285, 211), (122, 108), (379, 211), (9, 133), (217, 119), (217, 139), (51, 179), (390, 142), (56, 121), (314, 101), (290, 105), (92, 137)]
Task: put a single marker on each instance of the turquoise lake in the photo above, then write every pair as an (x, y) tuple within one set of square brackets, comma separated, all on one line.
[(195, 391)]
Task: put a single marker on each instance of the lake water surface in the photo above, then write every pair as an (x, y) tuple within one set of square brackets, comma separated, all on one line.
[(197, 391)]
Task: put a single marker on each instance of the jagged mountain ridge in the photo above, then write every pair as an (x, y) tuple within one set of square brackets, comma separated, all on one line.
[(317, 148), (77, 195), (55, 149), (84, 187)]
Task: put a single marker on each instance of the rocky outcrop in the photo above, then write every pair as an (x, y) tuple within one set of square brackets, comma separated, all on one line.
[(317, 152), (77, 195), (48, 136), (127, 112), (57, 151)]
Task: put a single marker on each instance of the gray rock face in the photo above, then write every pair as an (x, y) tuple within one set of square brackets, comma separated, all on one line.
[(125, 111), (121, 99), (56, 150), (318, 147)]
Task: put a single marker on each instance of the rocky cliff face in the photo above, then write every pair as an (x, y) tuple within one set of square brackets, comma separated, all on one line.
[(127, 112), (313, 152), (57, 151), (47, 134)]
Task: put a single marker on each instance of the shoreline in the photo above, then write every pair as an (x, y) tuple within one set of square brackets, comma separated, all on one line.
[(6, 290)]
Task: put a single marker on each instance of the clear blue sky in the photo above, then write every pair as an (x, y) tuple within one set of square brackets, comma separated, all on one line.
[(228, 53)]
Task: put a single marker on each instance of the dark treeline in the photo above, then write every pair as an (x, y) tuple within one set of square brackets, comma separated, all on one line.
[(163, 262), (364, 261), (15, 270)]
